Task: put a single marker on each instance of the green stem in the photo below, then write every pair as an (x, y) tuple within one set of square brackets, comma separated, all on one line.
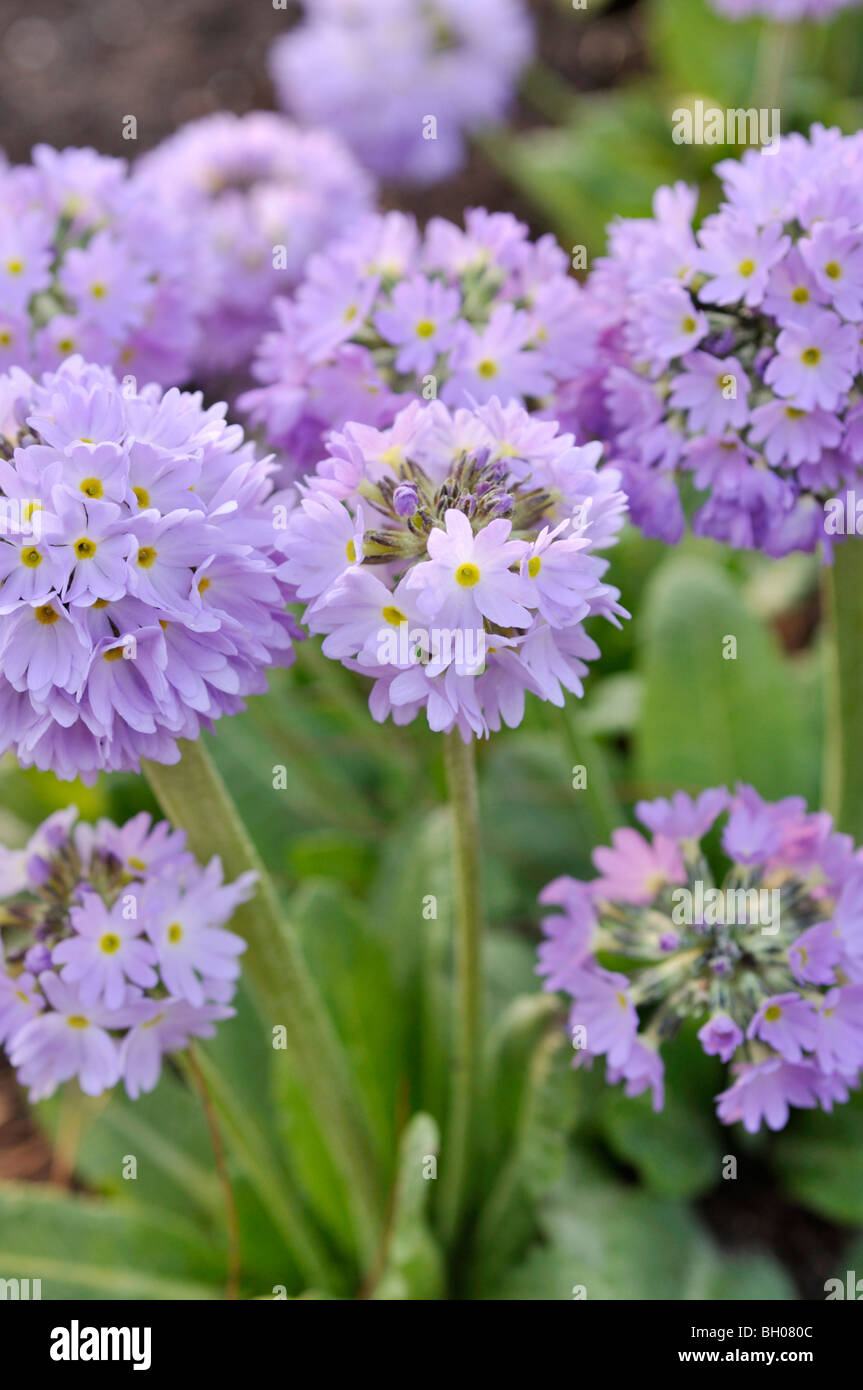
[(232, 1225), (773, 64), (194, 797), (464, 805), (842, 792)]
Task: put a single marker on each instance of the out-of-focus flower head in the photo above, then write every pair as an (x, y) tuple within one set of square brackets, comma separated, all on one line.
[(452, 557), (112, 952), (91, 264), (767, 956), (139, 599), (258, 195), (463, 314), (403, 81), (731, 355)]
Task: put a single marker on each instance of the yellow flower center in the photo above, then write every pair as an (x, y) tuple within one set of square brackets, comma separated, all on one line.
[(487, 368), (467, 575), (110, 943), (5, 337), (794, 412), (204, 584), (98, 290), (146, 556), (142, 496), (811, 356), (746, 268), (621, 999), (534, 565), (15, 266), (114, 654), (85, 549), (137, 864), (425, 328), (25, 998), (92, 487), (175, 933), (99, 603), (832, 269), (393, 615), (46, 615), (66, 344), (31, 558), (78, 1021), (351, 551), (771, 1014), (800, 294), (688, 324)]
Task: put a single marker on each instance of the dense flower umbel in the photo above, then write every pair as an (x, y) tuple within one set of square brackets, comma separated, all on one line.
[(463, 314), (112, 952), (451, 557), (768, 957), (785, 11), (258, 195), (90, 263), (139, 598), (403, 81), (733, 354)]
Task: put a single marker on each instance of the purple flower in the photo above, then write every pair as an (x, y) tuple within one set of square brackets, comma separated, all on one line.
[(258, 195), (720, 1037), (777, 997), (150, 601), (90, 263), (375, 70), (472, 594), (681, 817), (385, 314), (115, 990), (733, 353)]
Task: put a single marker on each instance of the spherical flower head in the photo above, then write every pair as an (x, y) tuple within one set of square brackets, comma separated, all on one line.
[(387, 313), (475, 593), (403, 83), (108, 999), (732, 353), (90, 263), (258, 195), (139, 592), (763, 949)]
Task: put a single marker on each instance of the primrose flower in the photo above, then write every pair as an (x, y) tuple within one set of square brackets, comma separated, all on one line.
[(763, 950), (732, 354), (452, 557), (258, 195), (403, 82), (466, 314), (139, 593), (91, 263), (86, 990)]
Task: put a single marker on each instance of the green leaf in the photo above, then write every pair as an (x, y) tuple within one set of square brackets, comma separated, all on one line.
[(83, 1248), (414, 1266), (675, 1152), (819, 1160), (710, 718)]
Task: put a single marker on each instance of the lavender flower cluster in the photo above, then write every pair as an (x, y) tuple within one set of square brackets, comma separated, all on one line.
[(112, 952), (466, 314), (770, 955), (257, 195), (91, 263), (451, 556), (403, 82), (732, 356), (139, 594)]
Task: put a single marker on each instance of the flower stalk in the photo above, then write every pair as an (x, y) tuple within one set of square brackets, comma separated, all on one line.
[(464, 804), (842, 590)]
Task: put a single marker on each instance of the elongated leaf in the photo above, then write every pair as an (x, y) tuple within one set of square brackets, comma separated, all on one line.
[(414, 1267), (83, 1247)]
